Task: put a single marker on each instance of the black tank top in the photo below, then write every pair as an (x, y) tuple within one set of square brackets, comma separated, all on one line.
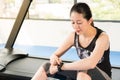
[(104, 63)]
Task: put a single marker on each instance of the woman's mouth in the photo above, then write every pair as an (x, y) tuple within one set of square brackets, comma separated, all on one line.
[(77, 31)]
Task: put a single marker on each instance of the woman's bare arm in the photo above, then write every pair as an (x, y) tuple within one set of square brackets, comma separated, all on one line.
[(90, 62)]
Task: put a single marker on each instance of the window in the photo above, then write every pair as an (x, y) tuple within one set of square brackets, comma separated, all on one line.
[(104, 9), (59, 9), (9, 8), (50, 9), (40, 9)]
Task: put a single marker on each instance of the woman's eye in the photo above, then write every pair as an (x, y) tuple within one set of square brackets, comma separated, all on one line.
[(73, 22), (79, 23)]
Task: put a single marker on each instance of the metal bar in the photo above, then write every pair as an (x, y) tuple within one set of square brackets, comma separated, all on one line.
[(17, 25)]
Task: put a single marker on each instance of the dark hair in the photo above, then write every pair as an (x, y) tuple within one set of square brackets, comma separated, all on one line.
[(82, 8)]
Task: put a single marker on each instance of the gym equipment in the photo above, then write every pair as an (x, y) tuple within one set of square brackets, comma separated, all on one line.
[(9, 54)]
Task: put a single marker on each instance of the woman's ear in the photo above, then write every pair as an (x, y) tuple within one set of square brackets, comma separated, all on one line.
[(90, 21)]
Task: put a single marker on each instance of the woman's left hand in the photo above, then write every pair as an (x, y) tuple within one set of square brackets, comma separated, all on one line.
[(55, 60), (53, 69)]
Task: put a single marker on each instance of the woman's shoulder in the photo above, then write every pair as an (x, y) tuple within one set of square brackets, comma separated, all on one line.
[(71, 36), (103, 39), (72, 33), (102, 34)]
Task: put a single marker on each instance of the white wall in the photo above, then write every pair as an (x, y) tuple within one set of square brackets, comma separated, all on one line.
[(113, 30), (36, 32)]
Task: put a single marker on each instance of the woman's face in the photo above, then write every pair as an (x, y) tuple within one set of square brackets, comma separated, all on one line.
[(79, 23)]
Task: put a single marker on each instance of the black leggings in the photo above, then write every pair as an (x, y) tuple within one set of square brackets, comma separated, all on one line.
[(95, 74)]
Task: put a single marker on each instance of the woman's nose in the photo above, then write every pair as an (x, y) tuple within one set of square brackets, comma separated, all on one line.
[(76, 26)]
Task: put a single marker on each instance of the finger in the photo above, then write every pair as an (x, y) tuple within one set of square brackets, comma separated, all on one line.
[(54, 62), (58, 61)]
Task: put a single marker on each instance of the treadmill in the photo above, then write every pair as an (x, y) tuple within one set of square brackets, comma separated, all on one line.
[(15, 64)]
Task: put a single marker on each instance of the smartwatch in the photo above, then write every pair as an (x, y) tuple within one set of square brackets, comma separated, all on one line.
[(59, 67)]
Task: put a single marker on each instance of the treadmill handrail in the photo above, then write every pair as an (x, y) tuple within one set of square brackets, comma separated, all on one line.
[(18, 23)]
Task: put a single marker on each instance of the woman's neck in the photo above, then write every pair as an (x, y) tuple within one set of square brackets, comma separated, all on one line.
[(91, 31)]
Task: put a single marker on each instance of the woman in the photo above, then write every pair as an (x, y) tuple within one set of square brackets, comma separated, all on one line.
[(93, 48)]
